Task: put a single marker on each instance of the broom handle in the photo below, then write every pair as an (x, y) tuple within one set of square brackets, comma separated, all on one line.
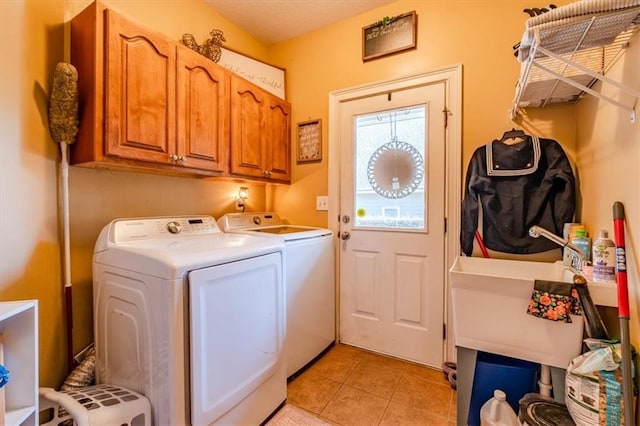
[(623, 311), (64, 172)]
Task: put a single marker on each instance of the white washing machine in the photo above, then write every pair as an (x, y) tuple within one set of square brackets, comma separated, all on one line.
[(309, 281), (192, 318)]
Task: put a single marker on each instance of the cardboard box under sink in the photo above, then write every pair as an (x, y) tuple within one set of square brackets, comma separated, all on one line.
[(490, 298)]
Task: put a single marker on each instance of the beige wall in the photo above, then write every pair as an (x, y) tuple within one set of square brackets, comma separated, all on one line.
[(478, 34), (176, 17), (34, 37), (98, 196), (602, 144), (32, 40), (608, 156)]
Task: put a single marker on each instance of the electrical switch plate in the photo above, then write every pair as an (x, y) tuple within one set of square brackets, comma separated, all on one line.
[(322, 202)]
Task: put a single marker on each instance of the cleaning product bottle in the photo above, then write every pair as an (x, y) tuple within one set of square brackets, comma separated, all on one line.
[(582, 242), (498, 412), (604, 258), (568, 232)]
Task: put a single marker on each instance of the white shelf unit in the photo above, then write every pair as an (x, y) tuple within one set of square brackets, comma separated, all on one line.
[(564, 52), (19, 331)]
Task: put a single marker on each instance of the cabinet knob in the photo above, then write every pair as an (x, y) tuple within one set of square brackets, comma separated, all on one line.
[(267, 173), (173, 158), (183, 159)]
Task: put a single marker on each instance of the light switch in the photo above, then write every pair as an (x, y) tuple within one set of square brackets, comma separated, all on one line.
[(322, 202)]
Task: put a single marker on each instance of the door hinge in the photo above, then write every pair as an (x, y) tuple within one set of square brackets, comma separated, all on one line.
[(444, 331), (446, 117)]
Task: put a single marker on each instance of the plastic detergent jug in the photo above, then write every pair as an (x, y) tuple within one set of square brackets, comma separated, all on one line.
[(498, 412)]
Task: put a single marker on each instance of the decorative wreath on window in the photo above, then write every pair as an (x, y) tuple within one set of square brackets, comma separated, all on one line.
[(395, 169)]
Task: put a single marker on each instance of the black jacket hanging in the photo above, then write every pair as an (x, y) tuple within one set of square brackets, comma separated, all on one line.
[(521, 185)]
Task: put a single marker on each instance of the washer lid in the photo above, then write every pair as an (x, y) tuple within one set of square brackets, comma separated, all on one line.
[(154, 251), (268, 225), (289, 233), (283, 229)]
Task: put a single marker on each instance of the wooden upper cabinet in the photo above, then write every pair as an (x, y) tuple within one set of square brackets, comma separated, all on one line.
[(140, 92), (260, 133), (203, 112), (148, 103), (247, 124), (279, 139)]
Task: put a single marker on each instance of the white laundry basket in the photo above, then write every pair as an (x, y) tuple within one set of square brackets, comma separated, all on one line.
[(95, 406)]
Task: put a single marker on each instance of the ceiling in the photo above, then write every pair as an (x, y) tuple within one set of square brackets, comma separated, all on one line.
[(275, 21)]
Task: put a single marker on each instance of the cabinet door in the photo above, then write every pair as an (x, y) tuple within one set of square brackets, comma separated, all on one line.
[(202, 118), (248, 106), (139, 92), (278, 142)]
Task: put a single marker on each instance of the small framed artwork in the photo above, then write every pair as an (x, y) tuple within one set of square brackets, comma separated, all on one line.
[(309, 141), (389, 36)]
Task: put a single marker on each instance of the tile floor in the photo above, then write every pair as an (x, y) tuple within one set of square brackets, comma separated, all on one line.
[(351, 387)]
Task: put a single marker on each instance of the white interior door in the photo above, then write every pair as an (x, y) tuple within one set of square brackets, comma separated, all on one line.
[(392, 231)]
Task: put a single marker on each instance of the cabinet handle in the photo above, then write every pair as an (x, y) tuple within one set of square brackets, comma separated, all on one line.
[(173, 158)]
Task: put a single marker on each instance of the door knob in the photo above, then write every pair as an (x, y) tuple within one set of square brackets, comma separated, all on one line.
[(345, 235)]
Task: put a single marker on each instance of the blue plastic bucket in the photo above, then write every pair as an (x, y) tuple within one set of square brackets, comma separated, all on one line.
[(515, 377)]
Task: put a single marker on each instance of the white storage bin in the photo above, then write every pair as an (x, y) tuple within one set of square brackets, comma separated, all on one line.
[(95, 405)]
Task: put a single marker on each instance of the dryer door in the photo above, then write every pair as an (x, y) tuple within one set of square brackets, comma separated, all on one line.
[(237, 332)]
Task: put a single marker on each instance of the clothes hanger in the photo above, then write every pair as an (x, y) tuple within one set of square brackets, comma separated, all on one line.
[(517, 135)]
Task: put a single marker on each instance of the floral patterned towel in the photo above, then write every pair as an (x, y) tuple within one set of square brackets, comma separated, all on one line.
[(554, 301)]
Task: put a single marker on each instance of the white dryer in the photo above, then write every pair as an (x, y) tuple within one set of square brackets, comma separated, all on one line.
[(309, 281), (192, 318)]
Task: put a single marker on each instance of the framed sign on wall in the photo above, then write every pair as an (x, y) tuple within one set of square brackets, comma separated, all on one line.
[(309, 141), (269, 77), (389, 36)]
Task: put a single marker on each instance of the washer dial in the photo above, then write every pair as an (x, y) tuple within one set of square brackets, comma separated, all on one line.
[(174, 227)]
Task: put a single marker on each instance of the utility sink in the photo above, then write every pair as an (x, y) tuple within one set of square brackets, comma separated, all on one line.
[(490, 298)]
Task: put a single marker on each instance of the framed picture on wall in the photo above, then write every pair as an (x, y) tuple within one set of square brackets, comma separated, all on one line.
[(269, 77), (389, 36), (309, 145)]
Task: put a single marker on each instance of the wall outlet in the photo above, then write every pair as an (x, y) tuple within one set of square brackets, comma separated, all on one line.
[(322, 202)]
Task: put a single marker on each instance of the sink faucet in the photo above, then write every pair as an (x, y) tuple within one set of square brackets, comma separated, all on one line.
[(576, 262), (594, 326)]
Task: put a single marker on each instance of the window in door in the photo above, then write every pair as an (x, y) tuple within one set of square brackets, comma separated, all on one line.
[(390, 169)]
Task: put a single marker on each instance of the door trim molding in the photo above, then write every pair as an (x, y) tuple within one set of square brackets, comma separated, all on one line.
[(452, 76)]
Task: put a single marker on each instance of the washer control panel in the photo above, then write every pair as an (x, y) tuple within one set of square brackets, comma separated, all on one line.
[(240, 221), (124, 230)]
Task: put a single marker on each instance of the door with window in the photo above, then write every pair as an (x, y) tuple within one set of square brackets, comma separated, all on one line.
[(392, 231)]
